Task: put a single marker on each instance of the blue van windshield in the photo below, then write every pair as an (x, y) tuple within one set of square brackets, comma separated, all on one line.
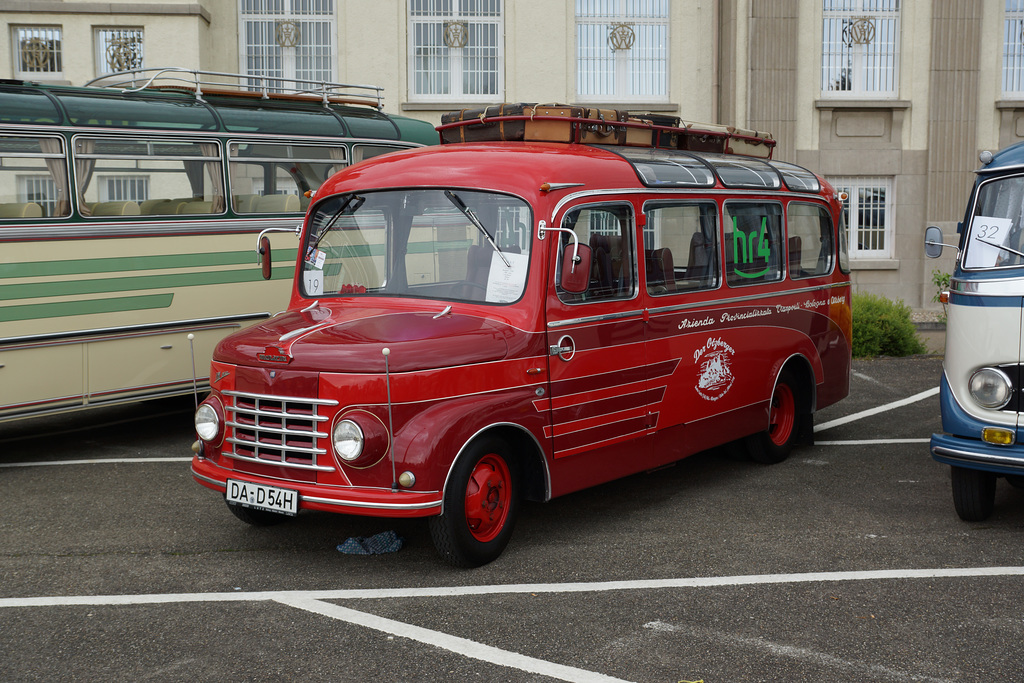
[(995, 237)]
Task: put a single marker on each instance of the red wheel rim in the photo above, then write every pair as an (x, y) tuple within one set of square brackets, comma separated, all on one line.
[(488, 492), (782, 415)]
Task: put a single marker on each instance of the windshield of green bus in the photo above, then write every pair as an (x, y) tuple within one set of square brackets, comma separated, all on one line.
[(995, 237), (458, 245)]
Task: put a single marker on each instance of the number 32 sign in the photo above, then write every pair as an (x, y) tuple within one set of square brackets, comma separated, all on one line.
[(987, 234)]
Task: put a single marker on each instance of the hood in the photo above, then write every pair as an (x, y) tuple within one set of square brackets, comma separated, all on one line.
[(323, 341)]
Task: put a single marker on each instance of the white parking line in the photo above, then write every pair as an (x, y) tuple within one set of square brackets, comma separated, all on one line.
[(462, 646), (875, 411), (314, 601)]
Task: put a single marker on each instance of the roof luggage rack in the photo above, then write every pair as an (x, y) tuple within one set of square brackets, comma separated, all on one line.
[(566, 123), (203, 83)]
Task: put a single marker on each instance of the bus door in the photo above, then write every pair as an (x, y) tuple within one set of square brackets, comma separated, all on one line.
[(681, 279), (597, 358)]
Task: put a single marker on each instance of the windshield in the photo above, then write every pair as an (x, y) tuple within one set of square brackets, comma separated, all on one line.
[(458, 245), (995, 237)]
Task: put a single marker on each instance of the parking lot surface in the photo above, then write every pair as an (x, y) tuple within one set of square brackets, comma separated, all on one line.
[(846, 562)]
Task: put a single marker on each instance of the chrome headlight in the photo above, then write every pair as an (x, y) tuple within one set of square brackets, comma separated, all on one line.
[(348, 440), (208, 422), (991, 388)]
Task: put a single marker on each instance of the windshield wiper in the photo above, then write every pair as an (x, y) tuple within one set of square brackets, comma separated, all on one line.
[(351, 205), (1003, 247), (468, 213)]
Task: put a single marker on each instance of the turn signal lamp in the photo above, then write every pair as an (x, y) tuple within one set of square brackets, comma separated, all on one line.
[(1000, 437)]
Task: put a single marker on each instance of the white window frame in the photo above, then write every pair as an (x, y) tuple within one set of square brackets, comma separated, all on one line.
[(53, 68), (123, 188), (860, 48), (111, 58), (638, 69), (442, 73), (311, 55), (1013, 49), (867, 241)]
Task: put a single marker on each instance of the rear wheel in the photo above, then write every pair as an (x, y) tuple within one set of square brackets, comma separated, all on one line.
[(974, 493), (256, 517), (784, 421), (481, 504)]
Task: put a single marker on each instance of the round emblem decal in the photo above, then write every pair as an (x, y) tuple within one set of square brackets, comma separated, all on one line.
[(714, 369)]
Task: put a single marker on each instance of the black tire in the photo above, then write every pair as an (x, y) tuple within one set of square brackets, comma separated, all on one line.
[(257, 517), (785, 421), (1016, 480), (974, 493), (481, 504)]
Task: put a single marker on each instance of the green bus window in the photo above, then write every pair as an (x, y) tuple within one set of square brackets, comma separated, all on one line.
[(274, 177), (681, 246), (809, 246), (128, 177), (33, 178), (753, 243)]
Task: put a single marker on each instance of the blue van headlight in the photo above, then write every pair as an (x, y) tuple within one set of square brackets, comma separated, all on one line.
[(991, 388)]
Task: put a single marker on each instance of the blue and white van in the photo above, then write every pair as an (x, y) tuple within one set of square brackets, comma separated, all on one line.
[(980, 393)]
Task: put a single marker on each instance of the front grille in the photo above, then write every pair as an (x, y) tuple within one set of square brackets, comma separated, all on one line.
[(276, 430)]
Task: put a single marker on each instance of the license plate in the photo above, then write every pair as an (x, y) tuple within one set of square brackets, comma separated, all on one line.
[(260, 497)]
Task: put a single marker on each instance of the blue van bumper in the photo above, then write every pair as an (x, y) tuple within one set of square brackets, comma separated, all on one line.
[(978, 455), (971, 452)]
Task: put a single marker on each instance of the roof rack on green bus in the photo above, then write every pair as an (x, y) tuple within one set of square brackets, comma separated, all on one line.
[(202, 82)]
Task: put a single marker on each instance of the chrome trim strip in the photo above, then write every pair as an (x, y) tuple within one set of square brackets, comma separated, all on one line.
[(74, 336), (1002, 287), (289, 399), (274, 430), (975, 457), (275, 413), (340, 503), (683, 192), (373, 506), (714, 303), (595, 318), (219, 484), (277, 463)]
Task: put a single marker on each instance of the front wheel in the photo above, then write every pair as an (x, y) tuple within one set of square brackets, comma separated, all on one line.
[(974, 493), (481, 503), (784, 422)]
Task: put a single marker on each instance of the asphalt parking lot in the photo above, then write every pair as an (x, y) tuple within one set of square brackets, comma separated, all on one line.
[(846, 562)]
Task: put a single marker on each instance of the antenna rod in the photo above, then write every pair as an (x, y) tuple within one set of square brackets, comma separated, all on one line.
[(391, 426), (195, 388)]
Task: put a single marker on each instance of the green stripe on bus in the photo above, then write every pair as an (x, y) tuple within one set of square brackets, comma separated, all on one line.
[(120, 264), (88, 307), (39, 290)]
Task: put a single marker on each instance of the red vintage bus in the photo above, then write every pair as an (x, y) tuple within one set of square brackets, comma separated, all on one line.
[(481, 323)]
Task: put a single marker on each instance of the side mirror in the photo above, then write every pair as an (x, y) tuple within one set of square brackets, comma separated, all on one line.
[(576, 272), (933, 242), (265, 260)]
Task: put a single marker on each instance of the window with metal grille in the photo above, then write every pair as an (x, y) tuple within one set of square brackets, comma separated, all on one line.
[(622, 50), (290, 39), (124, 188), (118, 49), (1013, 47), (867, 213), (456, 49), (37, 51), (860, 48)]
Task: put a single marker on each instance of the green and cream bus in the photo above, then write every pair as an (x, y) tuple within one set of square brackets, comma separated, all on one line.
[(129, 211)]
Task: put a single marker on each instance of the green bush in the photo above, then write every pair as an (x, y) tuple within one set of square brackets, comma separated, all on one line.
[(882, 327)]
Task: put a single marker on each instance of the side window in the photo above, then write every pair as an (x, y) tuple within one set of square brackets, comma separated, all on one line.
[(274, 178), (681, 250), (33, 178), (131, 177), (753, 243), (609, 232), (809, 243)]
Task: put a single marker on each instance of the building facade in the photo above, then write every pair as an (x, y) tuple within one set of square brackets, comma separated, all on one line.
[(891, 100)]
